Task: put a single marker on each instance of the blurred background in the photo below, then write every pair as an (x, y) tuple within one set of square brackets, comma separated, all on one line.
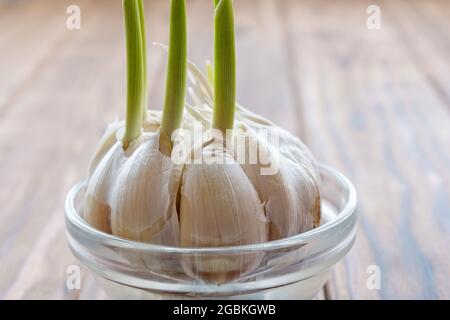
[(365, 83)]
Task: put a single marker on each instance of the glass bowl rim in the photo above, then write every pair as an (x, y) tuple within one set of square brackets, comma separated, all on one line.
[(344, 215)]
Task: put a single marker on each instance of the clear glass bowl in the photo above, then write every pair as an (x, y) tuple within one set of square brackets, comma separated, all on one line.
[(291, 268)]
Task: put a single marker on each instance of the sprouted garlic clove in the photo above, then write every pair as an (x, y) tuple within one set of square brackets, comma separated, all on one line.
[(219, 207)]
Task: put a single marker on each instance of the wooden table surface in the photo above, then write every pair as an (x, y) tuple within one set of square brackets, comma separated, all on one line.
[(373, 103)]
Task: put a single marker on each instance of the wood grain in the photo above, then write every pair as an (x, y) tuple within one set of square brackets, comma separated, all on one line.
[(373, 103), (373, 112)]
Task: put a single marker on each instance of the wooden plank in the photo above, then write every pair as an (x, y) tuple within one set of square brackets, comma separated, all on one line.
[(47, 137), (28, 23), (35, 135), (372, 113), (430, 52)]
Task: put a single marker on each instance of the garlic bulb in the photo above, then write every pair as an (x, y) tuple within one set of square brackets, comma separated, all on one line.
[(213, 197)]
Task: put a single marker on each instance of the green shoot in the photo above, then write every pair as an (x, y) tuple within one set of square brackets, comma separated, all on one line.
[(176, 70), (144, 48), (224, 66), (136, 75)]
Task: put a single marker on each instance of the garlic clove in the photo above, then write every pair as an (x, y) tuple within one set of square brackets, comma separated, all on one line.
[(143, 197), (132, 194), (97, 210), (219, 207), (285, 187)]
